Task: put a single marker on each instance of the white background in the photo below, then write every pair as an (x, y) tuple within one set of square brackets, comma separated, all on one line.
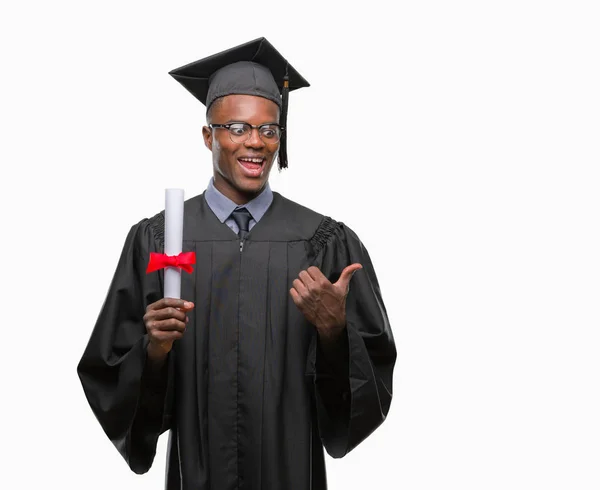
[(458, 139)]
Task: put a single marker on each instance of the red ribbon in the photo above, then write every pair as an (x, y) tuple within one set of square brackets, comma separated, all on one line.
[(159, 261)]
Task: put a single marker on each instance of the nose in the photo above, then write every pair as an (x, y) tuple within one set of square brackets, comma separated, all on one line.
[(254, 140)]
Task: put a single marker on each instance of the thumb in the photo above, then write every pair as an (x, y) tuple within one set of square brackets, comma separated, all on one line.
[(346, 275)]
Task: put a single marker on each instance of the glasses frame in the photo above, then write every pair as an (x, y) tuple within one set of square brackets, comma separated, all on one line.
[(228, 125)]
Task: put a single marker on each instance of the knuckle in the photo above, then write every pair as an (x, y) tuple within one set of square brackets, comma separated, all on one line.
[(173, 302), (155, 305), (175, 324)]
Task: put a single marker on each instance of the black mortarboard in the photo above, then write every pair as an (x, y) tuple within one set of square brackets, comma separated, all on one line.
[(253, 68)]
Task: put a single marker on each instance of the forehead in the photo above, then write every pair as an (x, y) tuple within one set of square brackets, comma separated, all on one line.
[(248, 108)]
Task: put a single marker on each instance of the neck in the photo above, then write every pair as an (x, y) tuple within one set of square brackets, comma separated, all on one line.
[(238, 196)]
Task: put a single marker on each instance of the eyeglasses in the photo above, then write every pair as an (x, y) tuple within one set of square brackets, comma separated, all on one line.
[(240, 132)]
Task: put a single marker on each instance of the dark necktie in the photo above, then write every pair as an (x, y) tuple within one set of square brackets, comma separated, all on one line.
[(242, 218)]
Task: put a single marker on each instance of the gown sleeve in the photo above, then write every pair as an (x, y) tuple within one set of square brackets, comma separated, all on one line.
[(130, 398), (353, 383)]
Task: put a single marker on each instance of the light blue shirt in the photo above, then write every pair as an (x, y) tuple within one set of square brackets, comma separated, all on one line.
[(223, 206)]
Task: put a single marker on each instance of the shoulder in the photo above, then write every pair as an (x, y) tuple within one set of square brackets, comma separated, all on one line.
[(321, 230), (309, 223), (292, 208), (154, 225), (146, 233), (325, 223)]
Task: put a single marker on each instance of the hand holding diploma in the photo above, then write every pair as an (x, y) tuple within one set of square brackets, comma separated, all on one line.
[(166, 319), (165, 322)]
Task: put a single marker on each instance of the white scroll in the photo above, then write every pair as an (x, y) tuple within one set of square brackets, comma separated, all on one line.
[(173, 239)]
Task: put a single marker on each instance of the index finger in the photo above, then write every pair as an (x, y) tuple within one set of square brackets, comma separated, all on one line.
[(170, 302), (316, 273)]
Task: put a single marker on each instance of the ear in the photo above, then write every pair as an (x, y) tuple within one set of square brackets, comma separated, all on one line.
[(207, 135)]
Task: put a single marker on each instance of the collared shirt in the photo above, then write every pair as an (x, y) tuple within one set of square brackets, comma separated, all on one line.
[(223, 206)]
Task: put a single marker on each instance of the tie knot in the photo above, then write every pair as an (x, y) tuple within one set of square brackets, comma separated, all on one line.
[(242, 218)]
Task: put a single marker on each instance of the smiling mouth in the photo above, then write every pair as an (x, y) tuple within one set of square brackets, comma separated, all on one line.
[(252, 164)]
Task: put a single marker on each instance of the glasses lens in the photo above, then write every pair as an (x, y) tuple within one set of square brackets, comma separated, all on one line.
[(239, 132), (270, 133)]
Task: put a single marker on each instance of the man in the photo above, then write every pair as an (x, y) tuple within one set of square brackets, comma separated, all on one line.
[(281, 344)]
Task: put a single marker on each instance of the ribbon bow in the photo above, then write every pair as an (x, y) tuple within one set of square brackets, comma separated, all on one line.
[(159, 261)]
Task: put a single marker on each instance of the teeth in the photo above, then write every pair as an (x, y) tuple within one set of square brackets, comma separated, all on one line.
[(252, 160)]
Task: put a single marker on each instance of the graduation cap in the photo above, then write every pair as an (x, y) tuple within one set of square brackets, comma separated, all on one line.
[(253, 68)]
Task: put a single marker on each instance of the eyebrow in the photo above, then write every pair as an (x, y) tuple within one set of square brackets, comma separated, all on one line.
[(233, 121)]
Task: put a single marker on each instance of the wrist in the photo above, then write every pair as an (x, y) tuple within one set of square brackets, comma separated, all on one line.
[(156, 354), (330, 335)]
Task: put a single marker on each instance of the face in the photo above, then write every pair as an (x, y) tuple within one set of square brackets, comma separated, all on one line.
[(237, 172)]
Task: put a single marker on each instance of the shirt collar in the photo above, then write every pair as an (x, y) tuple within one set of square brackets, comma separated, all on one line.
[(222, 206)]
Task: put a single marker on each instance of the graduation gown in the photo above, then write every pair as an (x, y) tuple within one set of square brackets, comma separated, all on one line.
[(247, 394)]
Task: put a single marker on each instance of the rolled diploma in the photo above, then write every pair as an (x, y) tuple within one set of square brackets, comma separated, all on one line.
[(173, 239)]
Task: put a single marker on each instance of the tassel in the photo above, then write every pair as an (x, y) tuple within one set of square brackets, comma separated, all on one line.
[(283, 161)]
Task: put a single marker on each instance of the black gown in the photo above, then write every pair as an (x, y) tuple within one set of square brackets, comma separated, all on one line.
[(247, 394)]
